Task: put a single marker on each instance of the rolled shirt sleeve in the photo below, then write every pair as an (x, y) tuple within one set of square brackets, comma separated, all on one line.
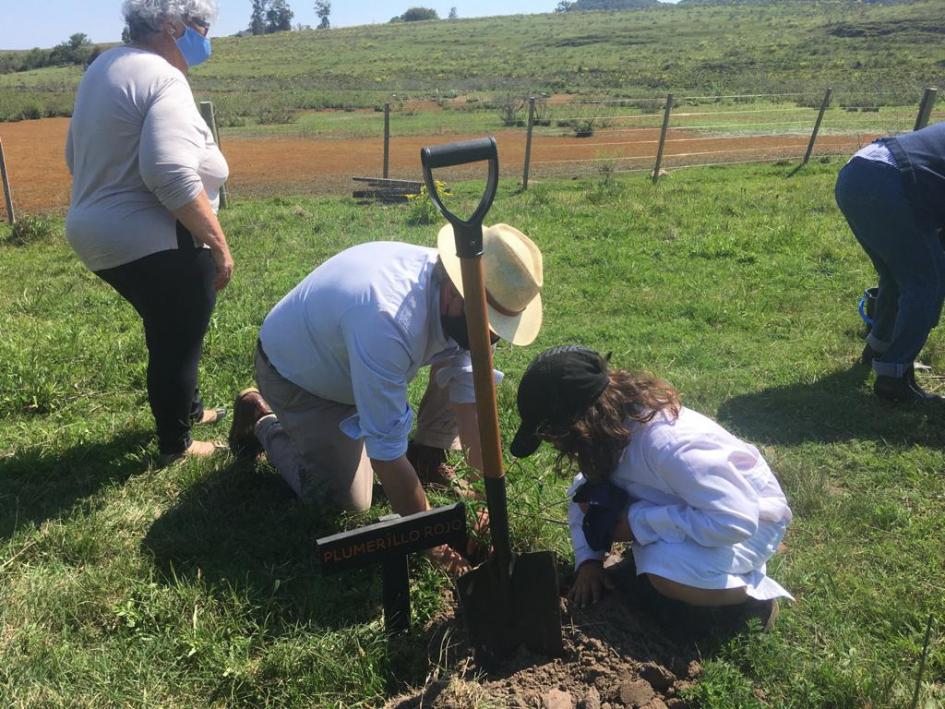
[(379, 366), (582, 551), (456, 373), (171, 147), (719, 507)]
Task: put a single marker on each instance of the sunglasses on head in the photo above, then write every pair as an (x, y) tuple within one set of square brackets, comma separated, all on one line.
[(201, 23)]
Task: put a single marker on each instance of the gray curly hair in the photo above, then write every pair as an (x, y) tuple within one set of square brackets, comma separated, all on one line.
[(144, 17)]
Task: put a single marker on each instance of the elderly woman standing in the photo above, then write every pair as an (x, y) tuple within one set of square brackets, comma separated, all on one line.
[(146, 180)]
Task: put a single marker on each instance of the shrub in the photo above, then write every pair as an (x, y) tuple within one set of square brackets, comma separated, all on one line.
[(274, 116), (31, 112), (508, 107), (583, 128), (32, 229), (422, 210)]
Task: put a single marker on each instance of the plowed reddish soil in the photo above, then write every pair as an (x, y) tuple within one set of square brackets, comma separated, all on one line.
[(267, 166)]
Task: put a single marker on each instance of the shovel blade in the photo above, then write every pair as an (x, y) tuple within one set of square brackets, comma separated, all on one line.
[(523, 608)]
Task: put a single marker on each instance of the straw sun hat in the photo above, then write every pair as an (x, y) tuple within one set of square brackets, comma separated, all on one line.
[(512, 271)]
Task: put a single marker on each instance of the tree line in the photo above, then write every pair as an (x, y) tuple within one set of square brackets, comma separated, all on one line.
[(269, 16), (78, 49)]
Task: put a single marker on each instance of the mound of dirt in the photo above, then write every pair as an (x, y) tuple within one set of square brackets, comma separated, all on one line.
[(620, 652)]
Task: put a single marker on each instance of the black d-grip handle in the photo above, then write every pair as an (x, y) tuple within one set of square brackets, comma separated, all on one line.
[(461, 153), (467, 232)]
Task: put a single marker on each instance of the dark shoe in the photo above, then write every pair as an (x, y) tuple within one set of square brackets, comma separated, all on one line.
[(433, 470), (765, 612), (248, 408), (430, 464), (902, 389)]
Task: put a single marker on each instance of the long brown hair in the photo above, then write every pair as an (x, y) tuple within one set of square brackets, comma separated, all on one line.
[(595, 441)]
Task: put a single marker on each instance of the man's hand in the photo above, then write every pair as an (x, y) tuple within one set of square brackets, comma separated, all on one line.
[(449, 560), (590, 584)]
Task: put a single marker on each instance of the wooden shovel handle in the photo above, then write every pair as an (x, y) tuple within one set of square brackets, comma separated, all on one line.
[(480, 349)]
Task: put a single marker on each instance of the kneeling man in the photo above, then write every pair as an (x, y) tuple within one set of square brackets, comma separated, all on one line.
[(336, 355)]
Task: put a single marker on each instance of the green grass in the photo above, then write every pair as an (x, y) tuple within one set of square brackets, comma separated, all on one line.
[(124, 584), (786, 46)]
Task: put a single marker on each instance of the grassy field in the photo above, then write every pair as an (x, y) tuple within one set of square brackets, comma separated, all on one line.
[(125, 584), (785, 46)]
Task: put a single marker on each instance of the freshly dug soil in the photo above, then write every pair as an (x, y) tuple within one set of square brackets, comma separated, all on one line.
[(620, 652)]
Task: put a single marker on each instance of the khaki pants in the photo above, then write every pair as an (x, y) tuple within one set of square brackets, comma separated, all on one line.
[(320, 463)]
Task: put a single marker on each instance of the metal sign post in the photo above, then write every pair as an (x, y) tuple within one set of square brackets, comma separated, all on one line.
[(388, 543)]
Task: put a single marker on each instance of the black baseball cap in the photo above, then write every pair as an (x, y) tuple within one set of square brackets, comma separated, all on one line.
[(558, 386)]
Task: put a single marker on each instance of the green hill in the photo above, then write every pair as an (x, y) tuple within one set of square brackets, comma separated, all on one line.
[(785, 46)]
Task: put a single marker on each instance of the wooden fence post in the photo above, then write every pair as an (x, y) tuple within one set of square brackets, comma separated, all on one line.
[(659, 150), (206, 110), (925, 108), (386, 139), (820, 117), (528, 140), (11, 217)]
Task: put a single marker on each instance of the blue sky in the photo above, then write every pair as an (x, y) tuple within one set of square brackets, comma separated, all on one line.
[(44, 23)]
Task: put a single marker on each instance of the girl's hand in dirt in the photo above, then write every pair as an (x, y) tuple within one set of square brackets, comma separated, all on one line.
[(449, 560), (590, 584)]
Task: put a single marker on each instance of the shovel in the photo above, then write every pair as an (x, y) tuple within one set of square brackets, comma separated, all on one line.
[(511, 599)]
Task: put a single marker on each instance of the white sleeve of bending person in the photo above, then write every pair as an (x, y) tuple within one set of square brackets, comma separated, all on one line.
[(378, 363), (718, 507), (172, 145), (582, 552)]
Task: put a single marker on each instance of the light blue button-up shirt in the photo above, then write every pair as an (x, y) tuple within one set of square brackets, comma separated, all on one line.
[(357, 330)]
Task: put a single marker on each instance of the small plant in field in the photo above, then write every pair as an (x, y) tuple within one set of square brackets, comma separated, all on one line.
[(31, 229), (509, 107), (538, 195), (651, 105), (275, 116), (422, 210), (583, 127), (607, 186), (542, 115)]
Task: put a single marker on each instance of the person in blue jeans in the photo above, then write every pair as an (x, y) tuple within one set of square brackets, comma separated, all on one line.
[(892, 193)]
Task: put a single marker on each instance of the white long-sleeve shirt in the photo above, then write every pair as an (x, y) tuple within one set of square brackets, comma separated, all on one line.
[(137, 148), (706, 510), (357, 329)]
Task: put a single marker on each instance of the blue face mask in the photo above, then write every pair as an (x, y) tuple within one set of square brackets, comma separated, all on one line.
[(194, 47)]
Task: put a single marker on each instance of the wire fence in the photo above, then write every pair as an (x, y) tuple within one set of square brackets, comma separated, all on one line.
[(550, 137), (689, 131)]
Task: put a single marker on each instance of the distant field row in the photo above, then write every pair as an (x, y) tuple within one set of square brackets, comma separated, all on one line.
[(722, 118), (862, 50)]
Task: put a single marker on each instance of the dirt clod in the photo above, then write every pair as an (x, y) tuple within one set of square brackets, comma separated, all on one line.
[(591, 700), (635, 692), (557, 699), (656, 703), (658, 676)]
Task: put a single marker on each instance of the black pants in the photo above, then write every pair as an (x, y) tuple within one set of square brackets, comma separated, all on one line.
[(174, 295)]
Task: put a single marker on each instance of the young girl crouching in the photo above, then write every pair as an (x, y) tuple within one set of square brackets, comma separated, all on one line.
[(702, 510)]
